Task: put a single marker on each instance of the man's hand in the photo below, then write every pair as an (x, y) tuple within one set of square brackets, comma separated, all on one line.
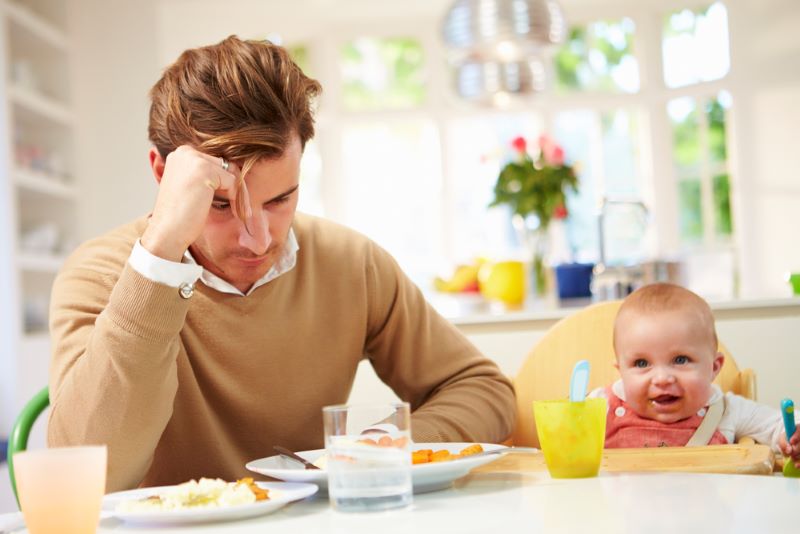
[(184, 197)]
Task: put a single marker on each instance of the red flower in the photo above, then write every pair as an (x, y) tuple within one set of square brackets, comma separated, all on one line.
[(519, 144), (560, 212), (556, 156)]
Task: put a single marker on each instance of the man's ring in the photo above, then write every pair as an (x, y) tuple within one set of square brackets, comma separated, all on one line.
[(225, 165)]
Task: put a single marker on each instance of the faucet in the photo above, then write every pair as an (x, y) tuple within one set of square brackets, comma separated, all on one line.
[(611, 282)]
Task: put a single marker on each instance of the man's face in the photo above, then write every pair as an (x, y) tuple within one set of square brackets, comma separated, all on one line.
[(242, 253), (667, 361)]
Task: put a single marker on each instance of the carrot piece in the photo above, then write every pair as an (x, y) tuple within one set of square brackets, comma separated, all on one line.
[(421, 457), (472, 449), (441, 456)]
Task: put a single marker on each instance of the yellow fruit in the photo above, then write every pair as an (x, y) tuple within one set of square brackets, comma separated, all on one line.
[(464, 277), (504, 281)]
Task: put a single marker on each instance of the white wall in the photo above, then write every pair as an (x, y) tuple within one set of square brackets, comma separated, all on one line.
[(765, 46), (115, 49)]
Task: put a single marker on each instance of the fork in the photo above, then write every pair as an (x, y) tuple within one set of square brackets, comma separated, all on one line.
[(286, 453)]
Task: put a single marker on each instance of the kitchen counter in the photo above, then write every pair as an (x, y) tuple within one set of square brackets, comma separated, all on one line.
[(472, 309), (760, 333)]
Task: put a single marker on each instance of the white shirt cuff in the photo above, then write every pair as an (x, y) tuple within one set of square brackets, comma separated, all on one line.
[(163, 271)]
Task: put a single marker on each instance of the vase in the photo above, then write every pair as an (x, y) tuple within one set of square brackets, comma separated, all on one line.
[(535, 241)]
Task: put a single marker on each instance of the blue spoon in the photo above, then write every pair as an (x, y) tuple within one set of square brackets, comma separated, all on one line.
[(787, 409), (579, 381)]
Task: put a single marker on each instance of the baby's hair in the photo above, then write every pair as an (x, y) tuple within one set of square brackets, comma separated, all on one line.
[(660, 297)]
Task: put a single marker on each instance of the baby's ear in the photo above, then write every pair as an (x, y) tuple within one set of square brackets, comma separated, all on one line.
[(719, 359)]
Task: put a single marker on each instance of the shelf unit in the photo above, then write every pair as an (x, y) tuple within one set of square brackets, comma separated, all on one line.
[(38, 186)]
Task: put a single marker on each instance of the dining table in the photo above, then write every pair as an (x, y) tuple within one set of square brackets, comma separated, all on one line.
[(515, 493)]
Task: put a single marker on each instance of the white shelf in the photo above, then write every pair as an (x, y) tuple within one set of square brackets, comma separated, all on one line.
[(36, 25), (43, 183), (39, 262), (40, 104)]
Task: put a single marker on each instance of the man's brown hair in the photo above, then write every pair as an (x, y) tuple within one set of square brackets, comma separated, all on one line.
[(239, 100), (661, 297)]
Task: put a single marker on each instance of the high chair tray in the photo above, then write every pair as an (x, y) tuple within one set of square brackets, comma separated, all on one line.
[(735, 459)]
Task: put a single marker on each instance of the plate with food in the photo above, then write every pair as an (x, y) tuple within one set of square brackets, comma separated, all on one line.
[(435, 467), (204, 500)]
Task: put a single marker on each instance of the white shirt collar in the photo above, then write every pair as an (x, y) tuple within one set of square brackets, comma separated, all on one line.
[(619, 390), (285, 263)]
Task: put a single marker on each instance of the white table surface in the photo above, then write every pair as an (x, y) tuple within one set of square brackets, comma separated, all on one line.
[(501, 503)]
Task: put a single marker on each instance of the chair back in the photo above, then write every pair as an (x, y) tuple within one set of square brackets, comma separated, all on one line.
[(21, 431), (588, 335)]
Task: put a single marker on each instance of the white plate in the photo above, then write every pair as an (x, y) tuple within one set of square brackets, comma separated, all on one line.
[(280, 494), (425, 477)]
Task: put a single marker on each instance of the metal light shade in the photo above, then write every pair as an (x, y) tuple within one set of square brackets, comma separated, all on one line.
[(498, 46), (485, 80), (477, 24)]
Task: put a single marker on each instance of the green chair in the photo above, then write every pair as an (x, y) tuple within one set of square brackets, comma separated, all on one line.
[(22, 429)]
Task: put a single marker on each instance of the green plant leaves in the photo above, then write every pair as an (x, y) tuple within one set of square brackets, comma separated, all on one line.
[(530, 187)]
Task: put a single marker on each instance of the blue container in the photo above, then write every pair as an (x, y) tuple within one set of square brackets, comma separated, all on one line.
[(574, 280)]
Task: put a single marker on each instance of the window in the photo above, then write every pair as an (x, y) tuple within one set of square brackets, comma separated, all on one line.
[(604, 144), (416, 171), (382, 73), (700, 160), (477, 148), (695, 46), (598, 57), (392, 188)]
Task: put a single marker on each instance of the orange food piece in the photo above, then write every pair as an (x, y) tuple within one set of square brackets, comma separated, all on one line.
[(421, 457), (401, 442), (441, 456), (260, 493), (385, 441), (472, 449)]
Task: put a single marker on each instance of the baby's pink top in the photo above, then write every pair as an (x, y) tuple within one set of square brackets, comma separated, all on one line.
[(625, 428)]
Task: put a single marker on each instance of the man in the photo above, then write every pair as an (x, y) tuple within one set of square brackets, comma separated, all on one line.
[(193, 340)]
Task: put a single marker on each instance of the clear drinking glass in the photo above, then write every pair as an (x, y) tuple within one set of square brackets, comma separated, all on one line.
[(61, 489), (368, 471)]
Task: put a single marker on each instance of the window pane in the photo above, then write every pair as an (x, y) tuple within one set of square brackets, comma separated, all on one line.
[(599, 57), (310, 199), (621, 154), (392, 193), (605, 149), (477, 149), (685, 134), (300, 55), (716, 110), (695, 46), (690, 209), (722, 205), (579, 133), (382, 73)]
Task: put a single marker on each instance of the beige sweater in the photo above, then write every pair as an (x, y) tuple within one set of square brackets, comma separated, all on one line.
[(182, 388)]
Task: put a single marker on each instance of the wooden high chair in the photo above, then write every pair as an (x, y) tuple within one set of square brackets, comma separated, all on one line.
[(587, 335)]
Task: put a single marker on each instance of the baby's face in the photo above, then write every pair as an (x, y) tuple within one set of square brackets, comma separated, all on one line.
[(667, 361)]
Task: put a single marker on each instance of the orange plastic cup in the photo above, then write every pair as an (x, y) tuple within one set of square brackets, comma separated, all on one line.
[(61, 489), (571, 435)]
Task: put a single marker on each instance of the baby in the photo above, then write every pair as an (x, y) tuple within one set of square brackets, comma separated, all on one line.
[(666, 348)]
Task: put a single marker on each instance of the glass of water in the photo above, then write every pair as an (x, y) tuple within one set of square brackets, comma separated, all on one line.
[(369, 456)]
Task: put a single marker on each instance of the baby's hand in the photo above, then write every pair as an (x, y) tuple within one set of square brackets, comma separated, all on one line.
[(791, 447)]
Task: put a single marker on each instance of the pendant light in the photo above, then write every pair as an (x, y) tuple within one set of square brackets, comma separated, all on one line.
[(499, 47)]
